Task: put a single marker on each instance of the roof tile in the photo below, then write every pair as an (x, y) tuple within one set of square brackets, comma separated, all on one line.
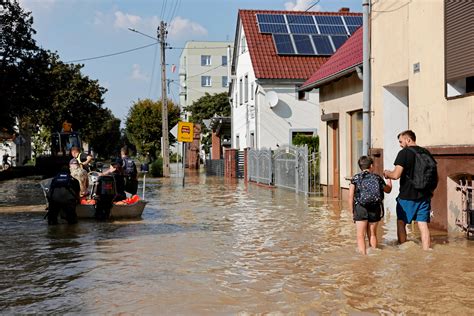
[(266, 62)]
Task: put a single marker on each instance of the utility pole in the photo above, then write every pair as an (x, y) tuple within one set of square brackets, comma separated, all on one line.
[(164, 101)]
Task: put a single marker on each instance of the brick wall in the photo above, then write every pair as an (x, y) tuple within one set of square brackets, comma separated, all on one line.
[(216, 147), (230, 163)]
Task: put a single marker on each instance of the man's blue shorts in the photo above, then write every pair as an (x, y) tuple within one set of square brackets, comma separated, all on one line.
[(414, 210)]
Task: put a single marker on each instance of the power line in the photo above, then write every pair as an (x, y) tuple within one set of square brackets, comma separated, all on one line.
[(112, 54)]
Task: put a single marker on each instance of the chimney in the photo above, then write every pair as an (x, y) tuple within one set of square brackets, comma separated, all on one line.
[(344, 10)]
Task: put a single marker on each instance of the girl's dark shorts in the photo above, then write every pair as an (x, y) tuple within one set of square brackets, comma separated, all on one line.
[(372, 213)]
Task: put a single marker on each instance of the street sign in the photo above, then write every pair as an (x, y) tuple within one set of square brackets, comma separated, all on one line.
[(185, 132), (174, 131)]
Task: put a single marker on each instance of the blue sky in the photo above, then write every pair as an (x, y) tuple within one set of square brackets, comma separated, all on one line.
[(80, 29)]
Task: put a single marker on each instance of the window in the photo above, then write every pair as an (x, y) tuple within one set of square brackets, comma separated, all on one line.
[(356, 140), (246, 88), (206, 81), (240, 91), (225, 81), (224, 60), (205, 60), (458, 33), (251, 91)]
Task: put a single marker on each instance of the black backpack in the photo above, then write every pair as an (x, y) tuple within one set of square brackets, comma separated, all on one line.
[(129, 168), (425, 173), (368, 188)]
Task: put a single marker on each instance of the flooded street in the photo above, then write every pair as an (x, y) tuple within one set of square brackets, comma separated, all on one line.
[(221, 247)]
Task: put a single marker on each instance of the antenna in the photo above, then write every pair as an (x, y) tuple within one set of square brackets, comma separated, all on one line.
[(271, 98)]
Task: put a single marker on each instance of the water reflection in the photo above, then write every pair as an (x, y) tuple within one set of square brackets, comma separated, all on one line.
[(223, 247)]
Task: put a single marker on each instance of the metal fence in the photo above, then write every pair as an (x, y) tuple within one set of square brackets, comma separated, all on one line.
[(259, 165), (288, 167), (215, 167)]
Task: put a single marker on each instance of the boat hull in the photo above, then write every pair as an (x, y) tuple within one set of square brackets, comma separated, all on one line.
[(118, 211)]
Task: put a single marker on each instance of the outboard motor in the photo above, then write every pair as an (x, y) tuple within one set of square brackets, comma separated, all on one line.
[(63, 196), (103, 191)]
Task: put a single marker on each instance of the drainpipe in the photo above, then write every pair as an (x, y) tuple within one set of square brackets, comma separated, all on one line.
[(366, 78)]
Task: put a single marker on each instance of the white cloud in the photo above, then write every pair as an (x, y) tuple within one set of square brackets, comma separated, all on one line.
[(137, 73), (125, 20), (181, 27), (301, 5)]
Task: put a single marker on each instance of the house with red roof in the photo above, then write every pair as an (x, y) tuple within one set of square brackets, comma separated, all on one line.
[(275, 52), (339, 84)]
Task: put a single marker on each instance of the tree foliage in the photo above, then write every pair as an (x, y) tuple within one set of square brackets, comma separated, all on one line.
[(41, 91), (143, 126), (18, 53), (208, 106)]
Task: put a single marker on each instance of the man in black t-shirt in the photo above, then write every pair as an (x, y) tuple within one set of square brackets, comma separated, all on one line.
[(412, 204)]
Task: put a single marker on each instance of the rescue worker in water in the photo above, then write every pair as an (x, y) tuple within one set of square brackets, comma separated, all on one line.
[(63, 196)]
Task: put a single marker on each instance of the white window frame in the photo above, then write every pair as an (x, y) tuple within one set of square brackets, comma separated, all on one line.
[(206, 60), (206, 81), (225, 81)]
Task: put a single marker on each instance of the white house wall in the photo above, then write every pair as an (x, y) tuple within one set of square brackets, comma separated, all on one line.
[(243, 115), (289, 115)]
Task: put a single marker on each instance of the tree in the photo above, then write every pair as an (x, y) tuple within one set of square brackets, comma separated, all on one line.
[(18, 54), (106, 136), (205, 108), (143, 125)]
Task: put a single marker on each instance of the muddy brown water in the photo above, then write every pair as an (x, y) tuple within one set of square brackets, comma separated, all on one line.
[(221, 247)]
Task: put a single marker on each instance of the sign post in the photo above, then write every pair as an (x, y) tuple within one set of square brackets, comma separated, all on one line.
[(185, 135)]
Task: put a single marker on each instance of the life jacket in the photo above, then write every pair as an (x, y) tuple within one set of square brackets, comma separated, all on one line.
[(63, 188), (129, 168)]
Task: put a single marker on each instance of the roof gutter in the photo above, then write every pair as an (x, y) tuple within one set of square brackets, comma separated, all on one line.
[(332, 77)]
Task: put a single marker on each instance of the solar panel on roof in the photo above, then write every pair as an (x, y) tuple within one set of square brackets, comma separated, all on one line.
[(271, 18), (283, 44), (272, 28), (322, 44), (299, 19), (332, 29), (303, 44), (353, 20), (328, 19), (353, 28), (303, 29), (338, 40)]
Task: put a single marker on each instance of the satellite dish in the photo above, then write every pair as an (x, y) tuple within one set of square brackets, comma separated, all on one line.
[(271, 98)]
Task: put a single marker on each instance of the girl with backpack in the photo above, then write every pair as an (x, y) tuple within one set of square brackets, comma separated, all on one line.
[(366, 193)]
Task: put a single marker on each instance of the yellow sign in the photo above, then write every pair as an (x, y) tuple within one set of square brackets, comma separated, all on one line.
[(185, 132)]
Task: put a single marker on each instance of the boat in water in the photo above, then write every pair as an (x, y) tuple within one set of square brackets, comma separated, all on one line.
[(129, 208)]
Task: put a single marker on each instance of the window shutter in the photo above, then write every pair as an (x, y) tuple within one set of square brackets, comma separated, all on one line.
[(459, 39)]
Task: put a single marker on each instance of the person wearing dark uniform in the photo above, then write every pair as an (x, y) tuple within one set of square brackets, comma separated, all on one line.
[(63, 196), (130, 172)]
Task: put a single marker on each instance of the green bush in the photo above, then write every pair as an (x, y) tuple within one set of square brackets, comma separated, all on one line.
[(312, 142), (174, 157), (156, 168)]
